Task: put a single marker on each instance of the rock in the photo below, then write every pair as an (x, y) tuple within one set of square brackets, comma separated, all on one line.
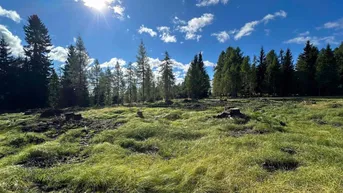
[(28, 112), (140, 114), (230, 113), (51, 113), (72, 116), (283, 124)]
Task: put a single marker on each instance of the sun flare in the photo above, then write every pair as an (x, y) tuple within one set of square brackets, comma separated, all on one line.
[(96, 4)]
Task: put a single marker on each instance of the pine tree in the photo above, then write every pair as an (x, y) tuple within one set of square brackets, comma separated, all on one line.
[(245, 76), (38, 63), (204, 79), (306, 70), (167, 77), (94, 77), (130, 77), (191, 79), (142, 69), (79, 73), (339, 60), (119, 83), (218, 76), (287, 70), (68, 95), (108, 91), (6, 75), (261, 72), (272, 73), (54, 90), (327, 75), (253, 77)]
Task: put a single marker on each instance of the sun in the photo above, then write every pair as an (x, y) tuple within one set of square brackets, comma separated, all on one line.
[(96, 4)]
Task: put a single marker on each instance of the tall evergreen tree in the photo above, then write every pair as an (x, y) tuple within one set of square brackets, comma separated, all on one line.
[(130, 77), (245, 76), (38, 63), (287, 70), (272, 73), (253, 77), (306, 70), (6, 75), (79, 73), (54, 90), (261, 72), (327, 75), (204, 79), (108, 91), (119, 83), (94, 77), (167, 77), (142, 68), (218, 75), (339, 60), (68, 95)]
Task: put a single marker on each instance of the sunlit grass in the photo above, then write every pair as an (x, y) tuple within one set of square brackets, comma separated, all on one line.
[(183, 150)]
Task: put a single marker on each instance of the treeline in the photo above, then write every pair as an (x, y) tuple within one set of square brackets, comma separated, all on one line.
[(315, 73), (32, 82)]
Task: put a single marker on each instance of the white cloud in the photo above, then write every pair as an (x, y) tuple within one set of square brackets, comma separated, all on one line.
[(249, 27), (314, 40), (209, 64), (306, 33), (178, 21), (13, 15), (246, 30), (222, 36), (13, 41), (149, 31), (204, 3), (165, 34), (59, 54), (334, 24), (119, 11), (112, 63), (196, 25), (269, 17)]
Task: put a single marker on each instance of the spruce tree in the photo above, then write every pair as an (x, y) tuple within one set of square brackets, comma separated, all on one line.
[(192, 78), (218, 75), (130, 77), (339, 60), (38, 64), (142, 68), (68, 95), (94, 77), (306, 70), (327, 75), (119, 83), (204, 79), (245, 76), (79, 73), (167, 77), (54, 90), (7, 75), (261, 72), (253, 77), (272, 73), (287, 77)]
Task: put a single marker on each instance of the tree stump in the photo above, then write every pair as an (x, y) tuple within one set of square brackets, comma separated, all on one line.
[(140, 114)]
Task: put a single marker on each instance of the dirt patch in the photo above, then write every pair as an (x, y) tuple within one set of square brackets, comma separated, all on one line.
[(245, 131), (285, 165), (288, 150), (51, 113)]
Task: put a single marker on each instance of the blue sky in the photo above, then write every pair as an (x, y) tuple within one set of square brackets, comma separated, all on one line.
[(112, 29)]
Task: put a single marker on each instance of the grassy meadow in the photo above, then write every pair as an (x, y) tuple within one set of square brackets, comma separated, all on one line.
[(282, 146)]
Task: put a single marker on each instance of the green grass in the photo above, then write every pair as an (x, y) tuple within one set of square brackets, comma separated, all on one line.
[(181, 150)]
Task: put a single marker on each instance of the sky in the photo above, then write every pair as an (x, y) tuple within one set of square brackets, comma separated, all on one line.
[(113, 29)]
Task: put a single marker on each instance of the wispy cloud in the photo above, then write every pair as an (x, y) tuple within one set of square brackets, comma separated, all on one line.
[(249, 27), (333, 24), (204, 3), (314, 39), (195, 25), (165, 34), (13, 15), (149, 31), (222, 36)]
